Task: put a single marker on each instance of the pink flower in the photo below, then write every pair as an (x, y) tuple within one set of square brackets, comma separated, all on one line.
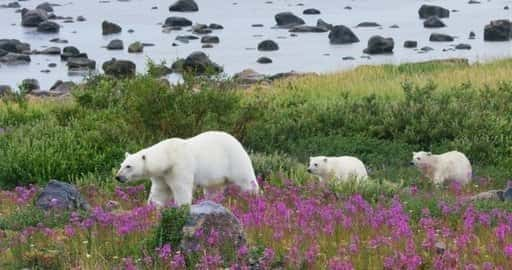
[(508, 250)]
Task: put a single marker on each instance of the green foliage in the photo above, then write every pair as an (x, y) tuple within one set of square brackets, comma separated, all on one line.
[(32, 216), (170, 229)]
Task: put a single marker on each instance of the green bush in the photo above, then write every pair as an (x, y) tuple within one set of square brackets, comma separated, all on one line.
[(170, 229)]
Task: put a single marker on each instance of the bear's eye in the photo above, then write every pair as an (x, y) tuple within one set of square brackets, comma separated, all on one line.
[(316, 164), (128, 166), (418, 158)]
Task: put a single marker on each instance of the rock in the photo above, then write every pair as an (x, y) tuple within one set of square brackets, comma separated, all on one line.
[(248, 76), (62, 87), (52, 65), (50, 51), (30, 84), (498, 30), (109, 28), (268, 45), (32, 18), (210, 39), (347, 8), (177, 22), (472, 35), (11, 5), (307, 29), (69, 51), (80, 63), (394, 26), (426, 49), (205, 218), (60, 195), (284, 75), (80, 19), (463, 46), (4, 91), (426, 11), (433, 22), (264, 60), (341, 34), (119, 68), (507, 193), (207, 46), (379, 45), (437, 37), (14, 46), (473, 2), (410, 44), (130, 31), (201, 29), (115, 44), (348, 58), (15, 58), (186, 39), (368, 24), (322, 24), (257, 25), (58, 40), (135, 47), (215, 26), (497, 195), (199, 63), (178, 66), (48, 27), (506, 7), (184, 6), (311, 11), (45, 6), (288, 20)]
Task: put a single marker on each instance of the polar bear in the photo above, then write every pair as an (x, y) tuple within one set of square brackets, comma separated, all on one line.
[(451, 165), (175, 166), (342, 168)]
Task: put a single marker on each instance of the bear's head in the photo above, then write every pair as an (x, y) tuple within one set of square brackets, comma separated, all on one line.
[(318, 165), (421, 159), (133, 168)]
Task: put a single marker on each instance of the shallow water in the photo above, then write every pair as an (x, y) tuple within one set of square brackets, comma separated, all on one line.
[(309, 52)]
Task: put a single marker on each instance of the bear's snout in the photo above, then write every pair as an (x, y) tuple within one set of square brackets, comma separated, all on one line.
[(120, 178), (411, 163), (309, 170)]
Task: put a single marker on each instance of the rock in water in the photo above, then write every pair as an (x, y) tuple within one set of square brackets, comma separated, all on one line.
[(436, 37), (177, 22), (410, 44), (498, 30), (341, 34), (14, 46), (426, 11), (61, 195), (32, 18), (264, 60), (205, 218), (184, 6), (248, 76), (199, 63), (135, 47), (268, 45), (30, 84), (115, 44), (109, 28), (48, 27), (433, 22), (288, 20), (119, 68), (379, 45)]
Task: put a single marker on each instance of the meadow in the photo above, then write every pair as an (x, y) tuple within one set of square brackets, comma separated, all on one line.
[(396, 220)]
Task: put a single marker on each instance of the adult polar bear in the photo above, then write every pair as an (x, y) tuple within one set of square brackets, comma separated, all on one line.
[(452, 165), (175, 166)]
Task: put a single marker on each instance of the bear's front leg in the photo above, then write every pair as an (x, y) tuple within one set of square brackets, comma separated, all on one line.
[(160, 192), (182, 186)]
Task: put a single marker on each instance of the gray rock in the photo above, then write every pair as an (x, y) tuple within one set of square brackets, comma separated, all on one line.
[(177, 22), (32, 18), (471, 2), (60, 195), (186, 39), (268, 45), (348, 58), (115, 44), (215, 26), (15, 58), (426, 49), (288, 20), (341, 34), (426, 11), (62, 87), (507, 194), (5, 90), (472, 35), (58, 40), (80, 19), (206, 217), (210, 39), (433, 22), (52, 65), (109, 28), (311, 11), (257, 25), (46, 6), (368, 24), (437, 37), (394, 26), (119, 68), (264, 60), (136, 47), (307, 29), (497, 195), (80, 63), (498, 30), (347, 8), (248, 76), (48, 27), (463, 46), (69, 51), (410, 44), (30, 84), (50, 51), (184, 6), (323, 24), (11, 5), (379, 45), (199, 63), (14, 46)]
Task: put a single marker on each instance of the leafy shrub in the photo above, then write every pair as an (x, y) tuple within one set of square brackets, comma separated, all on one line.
[(169, 231)]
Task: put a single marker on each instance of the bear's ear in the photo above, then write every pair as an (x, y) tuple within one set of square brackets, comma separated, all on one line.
[(325, 160), (126, 154), (143, 157)]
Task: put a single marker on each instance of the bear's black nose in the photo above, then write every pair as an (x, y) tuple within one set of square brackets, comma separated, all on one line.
[(309, 170), (411, 163), (120, 179)]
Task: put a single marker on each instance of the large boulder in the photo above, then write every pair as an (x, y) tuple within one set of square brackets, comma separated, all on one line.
[(379, 45), (32, 18), (80, 63), (288, 20), (184, 6), (177, 22), (109, 28), (69, 51), (426, 11), (268, 45), (14, 46), (437, 37), (30, 84), (433, 22), (341, 34), (60, 195), (15, 58), (205, 219), (48, 27), (115, 44), (498, 30), (119, 68), (199, 63)]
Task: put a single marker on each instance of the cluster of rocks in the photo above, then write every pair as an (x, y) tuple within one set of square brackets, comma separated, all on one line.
[(495, 195), (59, 88)]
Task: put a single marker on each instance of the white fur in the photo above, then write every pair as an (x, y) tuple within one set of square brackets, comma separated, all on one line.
[(175, 166), (452, 165), (342, 168)]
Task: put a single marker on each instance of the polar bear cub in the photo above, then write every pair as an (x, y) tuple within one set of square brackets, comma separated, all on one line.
[(342, 168), (451, 165), (175, 166)]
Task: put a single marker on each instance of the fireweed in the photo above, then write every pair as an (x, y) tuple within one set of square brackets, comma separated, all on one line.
[(290, 226)]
